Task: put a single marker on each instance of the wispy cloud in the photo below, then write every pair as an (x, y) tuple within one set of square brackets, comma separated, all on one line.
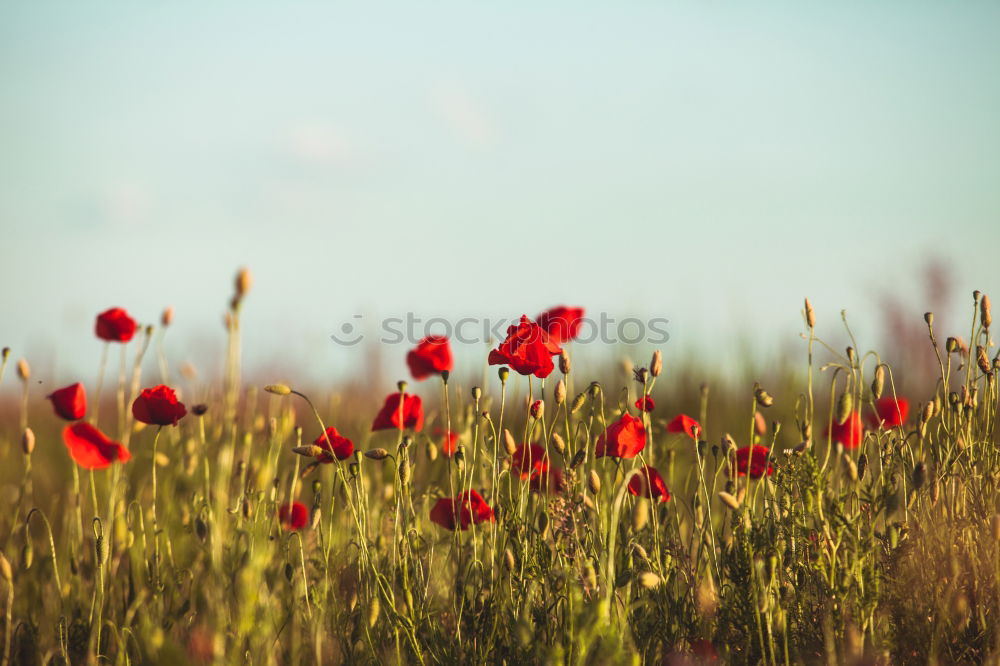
[(465, 115)]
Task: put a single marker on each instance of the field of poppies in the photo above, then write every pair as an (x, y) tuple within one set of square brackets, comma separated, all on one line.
[(839, 514)]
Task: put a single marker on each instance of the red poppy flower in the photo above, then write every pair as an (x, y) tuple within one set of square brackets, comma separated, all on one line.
[(685, 424), (528, 349), (645, 404), (889, 412), (753, 459), (389, 416), (549, 481), (293, 516), (70, 402), (462, 511), (562, 323), (529, 460), (649, 483), (90, 448), (450, 443), (115, 325), (624, 438), (849, 433), (158, 406), (432, 356), (332, 442)]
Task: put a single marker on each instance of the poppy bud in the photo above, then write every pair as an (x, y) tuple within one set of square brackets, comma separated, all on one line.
[(28, 441), (537, 409), (558, 443), (642, 376), (729, 500), (564, 363), (578, 459), (878, 383), (810, 315), (5, 353), (243, 282), (919, 476), (508, 557), (927, 412), (929, 318), (373, 611), (460, 458), (728, 444), (23, 370), (353, 469), (951, 344), (432, 451), (862, 466), (640, 514), (201, 408), (477, 393), (982, 360), (985, 316), (5, 569), (309, 451), (509, 442), (656, 363), (560, 392), (278, 389), (27, 554), (404, 471), (594, 482), (377, 454), (503, 372), (844, 404), (852, 467), (851, 355), (577, 403), (763, 398)]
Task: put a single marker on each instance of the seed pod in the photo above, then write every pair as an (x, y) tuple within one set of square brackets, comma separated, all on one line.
[(878, 383), (810, 315), (594, 482), (560, 392), (851, 355), (564, 362), (509, 442), (477, 393), (401, 385), (656, 363), (640, 514), (278, 389), (377, 454), (594, 389), (951, 345), (640, 551), (5, 354), (929, 318), (763, 398), (649, 580), (729, 500), (844, 404), (558, 443), (919, 476), (862, 466), (985, 316), (28, 441), (23, 370), (577, 403), (503, 372)]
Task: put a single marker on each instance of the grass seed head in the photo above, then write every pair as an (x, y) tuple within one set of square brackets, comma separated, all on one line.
[(983, 360), (729, 500), (509, 442), (564, 363), (560, 392), (810, 315), (278, 389), (23, 370), (558, 443), (577, 403), (640, 514), (649, 580), (985, 316)]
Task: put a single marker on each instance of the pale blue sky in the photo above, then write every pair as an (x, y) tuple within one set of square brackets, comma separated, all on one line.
[(704, 162)]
